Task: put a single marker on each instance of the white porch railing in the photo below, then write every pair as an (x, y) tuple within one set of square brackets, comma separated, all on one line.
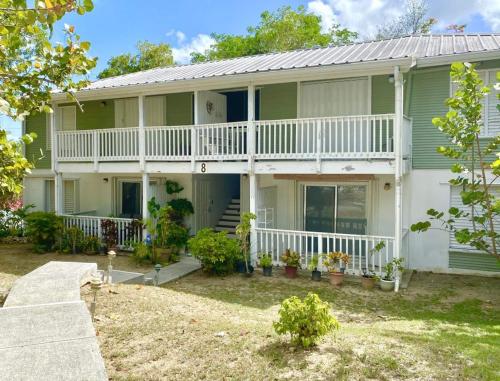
[(360, 248), (224, 141), (406, 144), (363, 136), (91, 226), (344, 137)]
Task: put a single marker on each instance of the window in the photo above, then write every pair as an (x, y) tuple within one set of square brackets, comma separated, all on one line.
[(335, 209), (465, 223), (126, 112), (491, 115), (70, 196)]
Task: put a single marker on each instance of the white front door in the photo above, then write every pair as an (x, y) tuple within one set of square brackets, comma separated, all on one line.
[(126, 113)]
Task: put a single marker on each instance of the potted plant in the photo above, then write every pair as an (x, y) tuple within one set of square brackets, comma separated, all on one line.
[(266, 262), (292, 263), (368, 279), (333, 261), (313, 266), (391, 269)]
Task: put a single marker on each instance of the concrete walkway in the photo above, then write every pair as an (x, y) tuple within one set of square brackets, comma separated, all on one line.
[(46, 329), (185, 266)]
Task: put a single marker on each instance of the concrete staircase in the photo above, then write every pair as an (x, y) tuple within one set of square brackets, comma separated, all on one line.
[(230, 218)]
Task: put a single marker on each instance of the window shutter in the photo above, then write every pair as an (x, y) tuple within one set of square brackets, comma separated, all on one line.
[(67, 120), (465, 223), (70, 197), (154, 111), (491, 105), (49, 196), (126, 113)]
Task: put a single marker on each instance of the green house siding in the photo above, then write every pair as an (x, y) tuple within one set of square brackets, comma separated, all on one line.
[(37, 151), (382, 95), (179, 109), (278, 101), (429, 90), (473, 261), (96, 115)]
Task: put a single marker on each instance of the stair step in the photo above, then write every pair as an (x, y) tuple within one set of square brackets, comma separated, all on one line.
[(233, 206), (232, 211), (228, 229), (228, 223), (235, 201), (231, 217)]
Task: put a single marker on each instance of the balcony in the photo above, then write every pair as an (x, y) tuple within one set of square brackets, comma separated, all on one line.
[(363, 137)]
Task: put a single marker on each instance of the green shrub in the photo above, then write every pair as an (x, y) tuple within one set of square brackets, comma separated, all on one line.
[(265, 259), (305, 320), (142, 253), (44, 230), (91, 244), (216, 251), (73, 240)]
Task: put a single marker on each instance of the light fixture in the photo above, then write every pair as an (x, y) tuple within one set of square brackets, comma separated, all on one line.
[(391, 78), (105, 179), (387, 186), (103, 104)]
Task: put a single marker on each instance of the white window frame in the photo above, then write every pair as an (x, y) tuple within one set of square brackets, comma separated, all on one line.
[(488, 72)]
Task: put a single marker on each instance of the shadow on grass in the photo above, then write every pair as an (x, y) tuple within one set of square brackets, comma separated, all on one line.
[(263, 293)]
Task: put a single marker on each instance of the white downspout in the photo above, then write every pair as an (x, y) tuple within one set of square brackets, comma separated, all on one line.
[(398, 125)]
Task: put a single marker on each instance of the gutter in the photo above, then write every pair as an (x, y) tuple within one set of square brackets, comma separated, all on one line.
[(462, 57)]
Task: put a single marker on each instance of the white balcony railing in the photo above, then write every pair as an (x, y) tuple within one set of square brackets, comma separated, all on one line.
[(345, 137), (91, 226), (360, 248)]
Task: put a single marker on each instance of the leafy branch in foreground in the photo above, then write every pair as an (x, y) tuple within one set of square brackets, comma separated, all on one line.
[(477, 166)]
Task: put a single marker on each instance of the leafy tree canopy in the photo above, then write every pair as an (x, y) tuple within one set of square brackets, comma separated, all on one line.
[(148, 56), (414, 20), (30, 64), (283, 30)]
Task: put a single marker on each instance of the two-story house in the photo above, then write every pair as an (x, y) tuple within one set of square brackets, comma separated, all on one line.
[(332, 148)]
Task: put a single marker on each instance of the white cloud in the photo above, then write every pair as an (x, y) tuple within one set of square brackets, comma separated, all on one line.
[(199, 44), (364, 16)]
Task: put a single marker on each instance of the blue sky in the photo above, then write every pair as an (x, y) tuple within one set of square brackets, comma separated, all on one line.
[(115, 26)]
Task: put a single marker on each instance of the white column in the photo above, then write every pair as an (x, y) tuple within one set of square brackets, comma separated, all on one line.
[(398, 125), (252, 182), (194, 135), (142, 133), (58, 196), (145, 196)]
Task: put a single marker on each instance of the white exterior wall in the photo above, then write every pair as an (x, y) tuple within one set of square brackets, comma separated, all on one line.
[(34, 192), (429, 189)]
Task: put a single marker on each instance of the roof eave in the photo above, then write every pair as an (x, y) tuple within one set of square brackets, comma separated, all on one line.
[(256, 78), (460, 57)]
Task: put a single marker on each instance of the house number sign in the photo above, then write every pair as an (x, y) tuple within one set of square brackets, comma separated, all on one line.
[(203, 167)]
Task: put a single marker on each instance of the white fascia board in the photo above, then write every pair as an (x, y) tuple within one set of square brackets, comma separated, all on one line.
[(242, 80), (462, 57)]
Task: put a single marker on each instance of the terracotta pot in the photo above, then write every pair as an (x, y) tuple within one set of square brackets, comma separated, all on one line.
[(336, 279), (291, 271), (367, 283)]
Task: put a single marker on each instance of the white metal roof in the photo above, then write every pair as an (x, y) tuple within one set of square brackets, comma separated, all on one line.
[(417, 47)]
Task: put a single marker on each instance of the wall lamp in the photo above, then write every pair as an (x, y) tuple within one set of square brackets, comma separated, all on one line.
[(391, 78)]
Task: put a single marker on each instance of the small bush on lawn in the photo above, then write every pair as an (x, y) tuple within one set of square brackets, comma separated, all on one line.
[(216, 251), (44, 230), (73, 240), (305, 320)]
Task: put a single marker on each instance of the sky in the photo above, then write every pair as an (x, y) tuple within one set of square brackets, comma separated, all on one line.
[(115, 26)]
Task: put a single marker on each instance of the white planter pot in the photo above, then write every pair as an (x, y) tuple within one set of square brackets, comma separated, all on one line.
[(386, 285)]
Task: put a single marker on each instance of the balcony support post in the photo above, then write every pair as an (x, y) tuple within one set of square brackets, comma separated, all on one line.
[(142, 133), (251, 133), (253, 188), (53, 139), (58, 193), (145, 199), (398, 125), (194, 138)]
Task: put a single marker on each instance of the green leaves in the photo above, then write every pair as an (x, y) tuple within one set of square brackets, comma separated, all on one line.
[(31, 66), (307, 321), (280, 31)]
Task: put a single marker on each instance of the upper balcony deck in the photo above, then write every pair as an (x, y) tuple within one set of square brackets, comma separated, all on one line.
[(288, 142)]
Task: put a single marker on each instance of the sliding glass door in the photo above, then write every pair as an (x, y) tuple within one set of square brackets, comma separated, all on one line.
[(335, 208)]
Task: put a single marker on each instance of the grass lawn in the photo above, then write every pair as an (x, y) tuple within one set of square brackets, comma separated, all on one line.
[(18, 259), (443, 327)]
